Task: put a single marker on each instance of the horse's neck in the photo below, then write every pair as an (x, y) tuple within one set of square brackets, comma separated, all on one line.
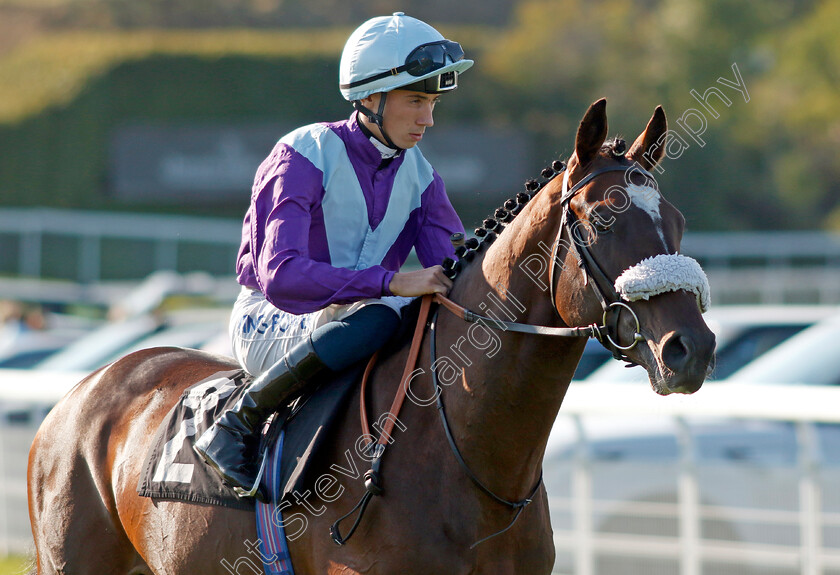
[(512, 385)]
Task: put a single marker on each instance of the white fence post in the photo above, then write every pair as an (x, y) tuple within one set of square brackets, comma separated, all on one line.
[(809, 500), (582, 503), (92, 232), (90, 260), (30, 253), (166, 255), (4, 503), (689, 503)]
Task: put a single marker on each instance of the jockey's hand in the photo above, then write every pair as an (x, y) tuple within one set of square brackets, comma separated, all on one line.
[(420, 282)]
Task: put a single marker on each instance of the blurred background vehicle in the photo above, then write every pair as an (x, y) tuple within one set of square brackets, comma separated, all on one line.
[(594, 356), (811, 357), (742, 334), (183, 328)]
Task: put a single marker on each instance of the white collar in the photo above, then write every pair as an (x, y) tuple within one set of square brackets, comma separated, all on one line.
[(385, 151)]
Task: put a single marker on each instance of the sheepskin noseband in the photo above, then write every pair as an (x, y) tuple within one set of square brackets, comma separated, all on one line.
[(663, 273)]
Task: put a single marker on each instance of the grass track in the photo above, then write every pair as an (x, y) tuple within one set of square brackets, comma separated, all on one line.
[(13, 565)]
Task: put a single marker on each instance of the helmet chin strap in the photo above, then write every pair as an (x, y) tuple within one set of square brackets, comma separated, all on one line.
[(377, 118)]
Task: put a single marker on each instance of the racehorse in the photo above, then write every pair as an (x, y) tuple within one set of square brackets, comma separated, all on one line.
[(551, 266)]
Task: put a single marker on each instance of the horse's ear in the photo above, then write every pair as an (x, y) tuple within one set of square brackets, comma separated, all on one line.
[(592, 132), (647, 150)]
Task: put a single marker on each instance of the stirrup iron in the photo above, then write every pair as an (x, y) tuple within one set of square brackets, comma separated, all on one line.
[(242, 493)]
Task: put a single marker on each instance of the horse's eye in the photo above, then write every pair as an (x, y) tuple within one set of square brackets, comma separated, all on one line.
[(601, 225)]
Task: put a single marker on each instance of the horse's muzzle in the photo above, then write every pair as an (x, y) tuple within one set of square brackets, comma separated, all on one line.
[(685, 360)]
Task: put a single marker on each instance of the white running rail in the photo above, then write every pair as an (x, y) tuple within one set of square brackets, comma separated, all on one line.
[(779, 517)]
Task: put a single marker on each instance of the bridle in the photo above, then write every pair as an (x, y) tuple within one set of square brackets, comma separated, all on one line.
[(593, 273)]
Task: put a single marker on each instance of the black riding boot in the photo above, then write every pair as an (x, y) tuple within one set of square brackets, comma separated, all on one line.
[(230, 445)]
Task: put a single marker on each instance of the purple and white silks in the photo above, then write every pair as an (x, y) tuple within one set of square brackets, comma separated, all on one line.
[(326, 225)]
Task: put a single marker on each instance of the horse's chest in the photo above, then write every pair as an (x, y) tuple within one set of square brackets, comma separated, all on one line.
[(424, 542), (420, 559)]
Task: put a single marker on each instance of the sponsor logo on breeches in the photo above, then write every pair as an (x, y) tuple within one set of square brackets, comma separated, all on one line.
[(270, 324)]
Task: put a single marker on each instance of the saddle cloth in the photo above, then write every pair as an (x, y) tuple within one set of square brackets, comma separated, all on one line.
[(172, 470)]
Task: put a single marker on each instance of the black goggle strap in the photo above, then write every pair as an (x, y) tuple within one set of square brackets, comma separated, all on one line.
[(419, 62)]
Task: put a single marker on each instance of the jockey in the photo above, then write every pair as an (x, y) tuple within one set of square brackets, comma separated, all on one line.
[(335, 210)]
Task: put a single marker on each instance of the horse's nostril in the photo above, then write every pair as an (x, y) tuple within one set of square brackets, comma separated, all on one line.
[(676, 351)]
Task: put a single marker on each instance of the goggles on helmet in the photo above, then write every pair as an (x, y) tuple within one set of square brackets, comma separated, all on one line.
[(430, 57), (422, 60)]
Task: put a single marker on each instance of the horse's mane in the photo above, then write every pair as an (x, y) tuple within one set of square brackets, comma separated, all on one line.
[(616, 147), (496, 223)]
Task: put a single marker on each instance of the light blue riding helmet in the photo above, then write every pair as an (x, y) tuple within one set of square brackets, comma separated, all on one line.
[(398, 51), (391, 52)]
